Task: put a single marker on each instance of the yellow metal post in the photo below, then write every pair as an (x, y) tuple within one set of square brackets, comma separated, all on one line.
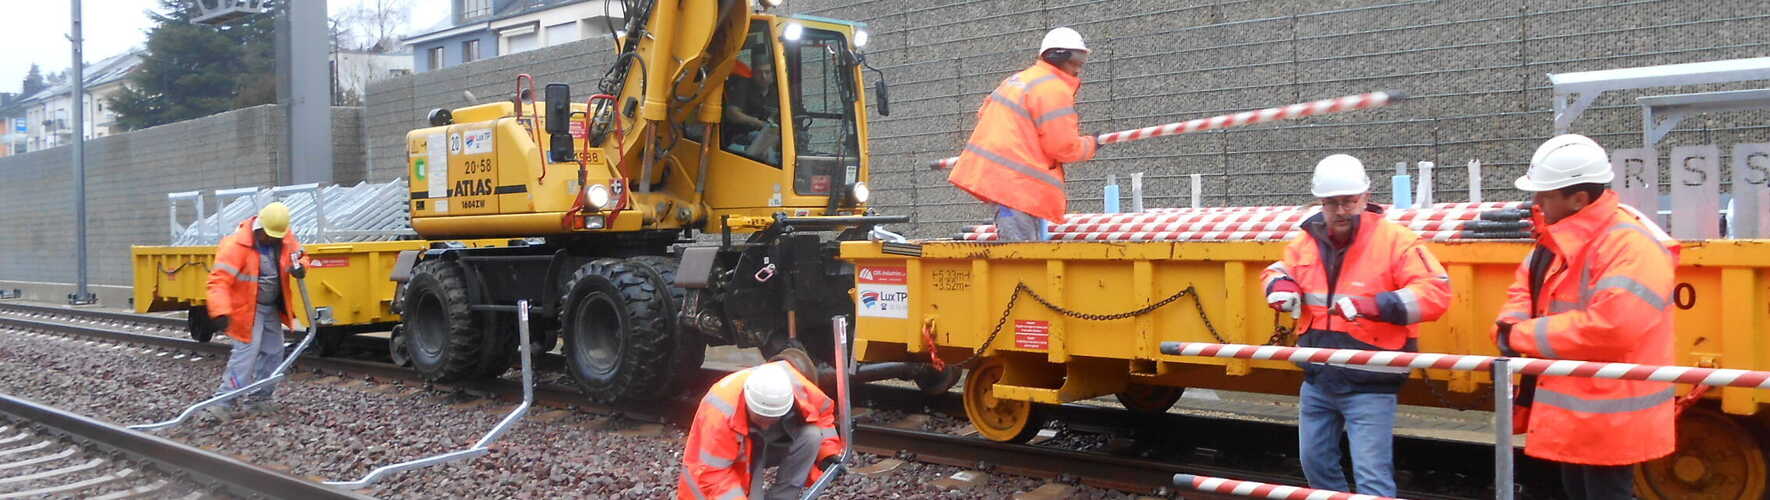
[(1059, 347), (1739, 337), (1142, 284), (1460, 315), (1235, 313)]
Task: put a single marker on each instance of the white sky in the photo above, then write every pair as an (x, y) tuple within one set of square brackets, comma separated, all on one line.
[(111, 27)]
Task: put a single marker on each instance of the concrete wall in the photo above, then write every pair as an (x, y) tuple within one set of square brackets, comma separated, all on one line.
[(127, 178)]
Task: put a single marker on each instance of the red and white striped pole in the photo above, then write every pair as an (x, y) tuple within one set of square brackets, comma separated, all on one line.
[(1263, 490), (1300, 110), (1717, 377)]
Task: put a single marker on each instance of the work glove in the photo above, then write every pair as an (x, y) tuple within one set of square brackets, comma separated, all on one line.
[(1286, 296), (220, 323), (1357, 307), (295, 268), (1099, 145), (1504, 338)]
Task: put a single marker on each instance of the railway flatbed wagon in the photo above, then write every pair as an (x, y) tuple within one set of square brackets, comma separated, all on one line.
[(348, 282), (1050, 323)]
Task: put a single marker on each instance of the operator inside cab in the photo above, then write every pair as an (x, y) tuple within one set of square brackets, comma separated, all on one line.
[(752, 104)]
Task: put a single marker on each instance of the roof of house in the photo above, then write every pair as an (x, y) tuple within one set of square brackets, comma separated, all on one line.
[(509, 10), (105, 71)]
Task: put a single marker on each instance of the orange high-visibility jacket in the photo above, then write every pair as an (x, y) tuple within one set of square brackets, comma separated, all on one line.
[(1026, 130), (1606, 296), (233, 280), (716, 462), (1386, 262)]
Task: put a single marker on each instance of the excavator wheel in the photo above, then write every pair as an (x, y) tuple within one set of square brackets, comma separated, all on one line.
[(442, 335), (614, 322), (687, 351), (1149, 399), (1718, 456)]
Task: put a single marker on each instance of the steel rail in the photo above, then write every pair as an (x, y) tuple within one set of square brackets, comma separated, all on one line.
[(245, 479)]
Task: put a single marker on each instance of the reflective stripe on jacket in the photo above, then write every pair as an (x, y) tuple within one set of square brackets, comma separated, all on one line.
[(1026, 130), (1386, 262), (1606, 297), (716, 462), (233, 280)]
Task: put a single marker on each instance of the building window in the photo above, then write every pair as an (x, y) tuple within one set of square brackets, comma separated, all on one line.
[(436, 57), (562, 33), (469, 51), (474, 9), (523, 42)]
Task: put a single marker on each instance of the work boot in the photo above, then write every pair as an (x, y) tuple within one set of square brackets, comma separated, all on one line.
[(215, 414), (261, 407)]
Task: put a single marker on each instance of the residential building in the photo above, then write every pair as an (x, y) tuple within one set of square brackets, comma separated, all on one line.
[(353, 70), (480, 29), (41, 120)]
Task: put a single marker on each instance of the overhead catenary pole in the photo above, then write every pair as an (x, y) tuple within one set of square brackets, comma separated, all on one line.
[(81, 295)]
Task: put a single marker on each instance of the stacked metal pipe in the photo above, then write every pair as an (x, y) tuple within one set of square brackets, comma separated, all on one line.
[(1440, 222)]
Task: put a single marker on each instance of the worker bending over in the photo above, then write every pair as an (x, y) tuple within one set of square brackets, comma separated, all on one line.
[(1026, 130), (1358, 281), (1597, 288), (249, 298), (753, 419)]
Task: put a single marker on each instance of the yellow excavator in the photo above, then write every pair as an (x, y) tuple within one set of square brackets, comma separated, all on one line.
[(695, 198)]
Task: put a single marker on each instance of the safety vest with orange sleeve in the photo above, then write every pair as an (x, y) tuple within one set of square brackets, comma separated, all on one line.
[(233, 280), (1385, 262), (1026, 130), (716, 462), (1605, 296)]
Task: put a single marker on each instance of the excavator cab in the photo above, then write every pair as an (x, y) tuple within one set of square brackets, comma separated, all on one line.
[(792, 122)]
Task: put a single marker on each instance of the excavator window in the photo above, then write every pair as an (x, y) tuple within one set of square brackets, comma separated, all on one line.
[(751, 125), (822, 82)]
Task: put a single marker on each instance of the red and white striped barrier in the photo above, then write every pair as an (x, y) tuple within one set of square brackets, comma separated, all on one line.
[(1718, 377), (1300, 110), (1281, 225), (1448, 235), (1263, 490)]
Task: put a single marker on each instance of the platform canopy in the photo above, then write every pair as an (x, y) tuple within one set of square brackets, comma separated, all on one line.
[(1574, 92)]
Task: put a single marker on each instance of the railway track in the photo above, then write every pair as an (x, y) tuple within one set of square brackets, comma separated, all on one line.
[(1173, 443), (49, 453)]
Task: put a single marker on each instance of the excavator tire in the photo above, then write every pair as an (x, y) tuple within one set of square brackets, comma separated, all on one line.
[(614, 320), (687, 351), (443, 337)]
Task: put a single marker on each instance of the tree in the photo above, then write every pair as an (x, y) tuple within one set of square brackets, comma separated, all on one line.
[(190, 71), (373, 25), (33, 82)]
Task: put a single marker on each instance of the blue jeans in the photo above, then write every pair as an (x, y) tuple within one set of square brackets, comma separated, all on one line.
[(1368, 421)]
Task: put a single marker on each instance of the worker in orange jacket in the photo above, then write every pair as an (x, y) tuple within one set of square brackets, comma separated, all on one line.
[(1026, 130), (1355, 280), (784, 421), (1598, 287), (249, 298)]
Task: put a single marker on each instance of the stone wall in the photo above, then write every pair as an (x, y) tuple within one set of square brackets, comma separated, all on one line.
[(127, 178)]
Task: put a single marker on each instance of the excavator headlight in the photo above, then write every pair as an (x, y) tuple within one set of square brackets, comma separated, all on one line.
[(599, 196), (771, 3), (793, 32), (861, 192), (860, 38)]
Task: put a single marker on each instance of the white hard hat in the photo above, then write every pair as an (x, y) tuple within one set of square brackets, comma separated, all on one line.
[(1063, 38), (1566, 160), (1339, 175), (769, 392)]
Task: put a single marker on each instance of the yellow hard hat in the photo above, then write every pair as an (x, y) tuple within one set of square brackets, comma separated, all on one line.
[(274, 219)]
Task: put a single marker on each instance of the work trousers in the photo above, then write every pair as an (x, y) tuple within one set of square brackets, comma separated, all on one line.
[(1598, 482), (1367, 420), (792, 446), (249, 362), (1015, 225)]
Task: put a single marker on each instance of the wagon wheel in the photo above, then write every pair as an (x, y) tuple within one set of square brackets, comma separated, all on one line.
[(997, 419), (1149, 399), (1717, 458)]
